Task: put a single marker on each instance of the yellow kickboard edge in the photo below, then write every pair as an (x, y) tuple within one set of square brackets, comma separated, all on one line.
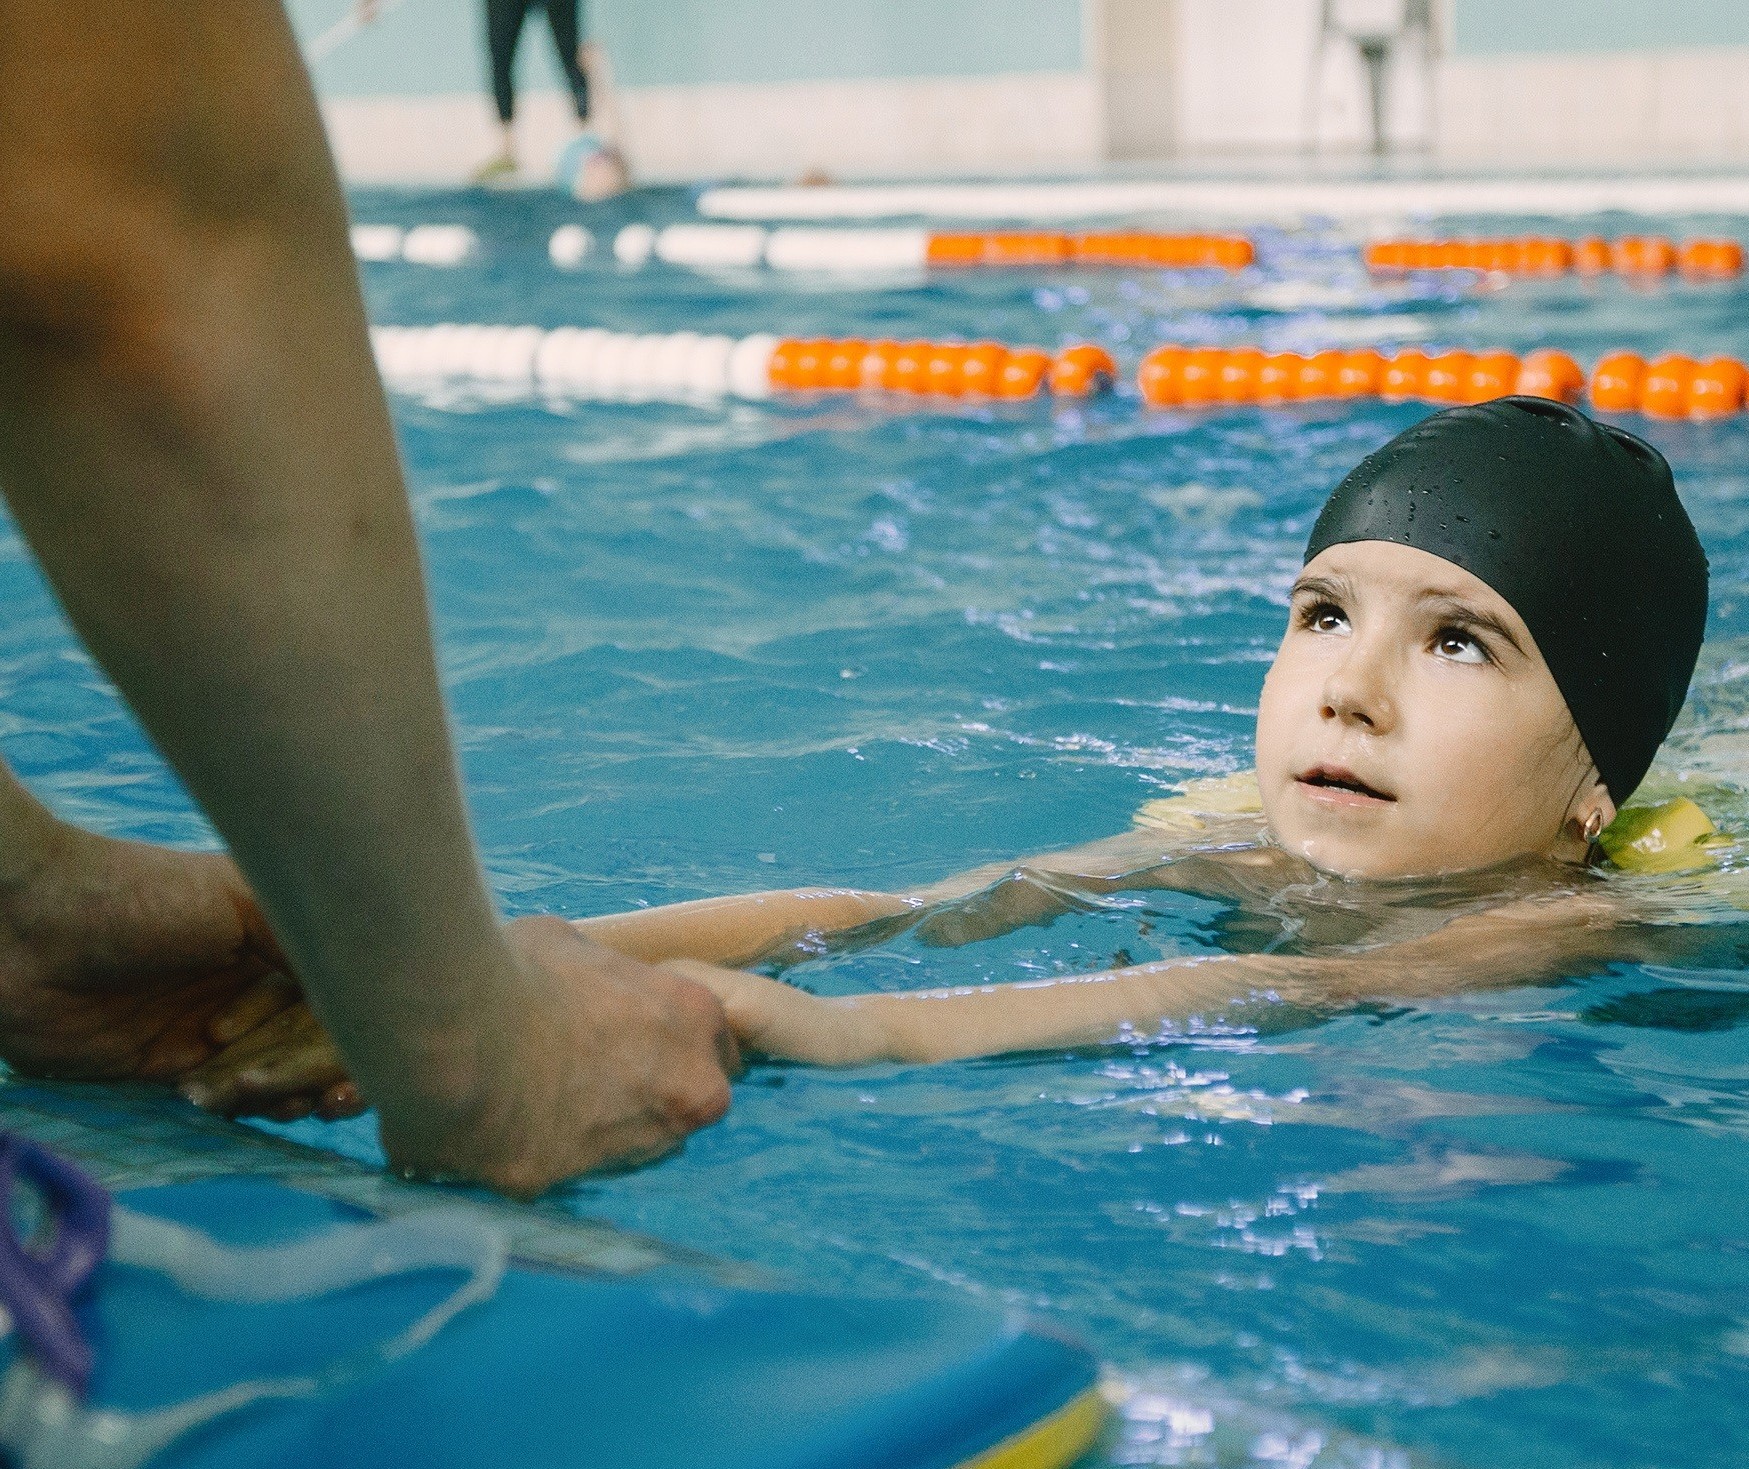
[(1052, 1442)]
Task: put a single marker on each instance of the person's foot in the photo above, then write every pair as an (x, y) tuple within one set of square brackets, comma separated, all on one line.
[(498, 169), (124, 961)]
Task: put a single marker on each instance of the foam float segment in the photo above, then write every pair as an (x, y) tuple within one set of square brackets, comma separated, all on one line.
[(665, 1370)]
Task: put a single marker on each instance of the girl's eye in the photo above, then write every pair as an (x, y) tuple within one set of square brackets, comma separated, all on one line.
[(1457, 646), (1324, 617)]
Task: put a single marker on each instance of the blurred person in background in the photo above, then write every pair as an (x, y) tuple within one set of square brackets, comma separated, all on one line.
[(504, 20)]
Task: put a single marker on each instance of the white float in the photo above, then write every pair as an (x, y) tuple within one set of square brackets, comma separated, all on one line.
[(633, 244), (377, 242), (569, 246), (848, 250), (439, 244), (711, 246), (576, 362), (749, 366)]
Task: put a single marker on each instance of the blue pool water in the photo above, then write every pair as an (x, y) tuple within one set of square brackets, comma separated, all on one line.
[(695, 651)]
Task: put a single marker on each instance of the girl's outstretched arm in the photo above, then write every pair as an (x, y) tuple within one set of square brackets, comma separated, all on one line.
[(1521, 943), (968, 906), (741, 929)]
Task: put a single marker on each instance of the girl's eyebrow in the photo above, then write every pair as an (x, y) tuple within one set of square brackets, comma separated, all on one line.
[(1445, 604), (1336, 589)]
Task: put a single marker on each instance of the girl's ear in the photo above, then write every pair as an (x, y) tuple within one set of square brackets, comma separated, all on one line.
[(1592, 810)]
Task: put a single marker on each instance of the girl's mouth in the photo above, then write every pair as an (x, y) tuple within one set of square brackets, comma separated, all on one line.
[(1339, 786)]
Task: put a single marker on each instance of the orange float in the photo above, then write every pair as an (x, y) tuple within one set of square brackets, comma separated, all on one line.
[(1716, 388), (1082, 370), (843, 364), (1232, 252), (1592, 255), (1100, 249), (1404, 376), (910, 372), (1491, 375), (1199, 375), (1497, 256), (1551, 374), (1544, 256), (1025, 249), (1664, 392), (1712, 258), (1358, 374), (960, 249), (1447, 378), (1158, 376), (1318, 375), (1167, 250), (1023, 373), (1278, 378), (1386, 255), (981, 369), (1644, 255), (1615, 382), (877, 365), (780, 370), (1236, 382), (807, 368), (941, 372)]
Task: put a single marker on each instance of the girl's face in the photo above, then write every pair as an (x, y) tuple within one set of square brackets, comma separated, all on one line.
[(1410, 726)]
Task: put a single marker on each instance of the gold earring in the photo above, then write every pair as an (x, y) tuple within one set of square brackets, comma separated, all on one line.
[(1593, 826)]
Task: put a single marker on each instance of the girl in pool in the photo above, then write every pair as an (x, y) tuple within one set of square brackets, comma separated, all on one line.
[(1461, 701)]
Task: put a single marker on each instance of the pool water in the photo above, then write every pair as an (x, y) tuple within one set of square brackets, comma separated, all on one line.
[(703, 650)]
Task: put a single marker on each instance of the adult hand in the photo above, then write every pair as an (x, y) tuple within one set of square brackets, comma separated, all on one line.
[(121, 961), (284, 1066), (602, 1061), (583, 1060)]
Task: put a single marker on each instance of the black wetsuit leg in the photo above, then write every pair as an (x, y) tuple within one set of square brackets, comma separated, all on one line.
[(562, 17), (503, 29)]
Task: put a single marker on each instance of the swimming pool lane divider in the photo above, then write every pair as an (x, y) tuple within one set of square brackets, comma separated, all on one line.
[(1639, 256), (720, 246), (1672, 386), (590, 363), (1285, 199)]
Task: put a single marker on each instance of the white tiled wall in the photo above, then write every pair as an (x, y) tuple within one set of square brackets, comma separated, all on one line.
[(1038, 122), (1663, 108), (1001, 124)]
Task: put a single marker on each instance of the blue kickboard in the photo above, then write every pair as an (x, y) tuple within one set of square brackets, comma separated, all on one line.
[(661, 1371)]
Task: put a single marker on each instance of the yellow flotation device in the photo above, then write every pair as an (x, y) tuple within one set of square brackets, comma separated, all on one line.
[(1200, 803), (1675, 836)]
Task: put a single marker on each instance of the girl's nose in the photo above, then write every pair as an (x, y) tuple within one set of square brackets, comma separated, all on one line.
[(1358, 691)]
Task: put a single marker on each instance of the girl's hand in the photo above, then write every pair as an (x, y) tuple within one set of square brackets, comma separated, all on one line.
[(784, 1023), (283, 1065)]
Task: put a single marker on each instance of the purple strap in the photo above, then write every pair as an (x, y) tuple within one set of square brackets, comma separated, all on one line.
[(40, 1276)]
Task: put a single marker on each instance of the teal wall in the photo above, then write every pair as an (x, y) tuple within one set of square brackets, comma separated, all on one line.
[(434, 46), (1501, 27)]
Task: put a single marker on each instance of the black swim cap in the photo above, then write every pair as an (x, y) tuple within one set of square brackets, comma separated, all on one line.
[(1578, 526)]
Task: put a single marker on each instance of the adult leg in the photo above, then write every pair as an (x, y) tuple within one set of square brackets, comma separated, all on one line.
[(503, 30), (562, 19)]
